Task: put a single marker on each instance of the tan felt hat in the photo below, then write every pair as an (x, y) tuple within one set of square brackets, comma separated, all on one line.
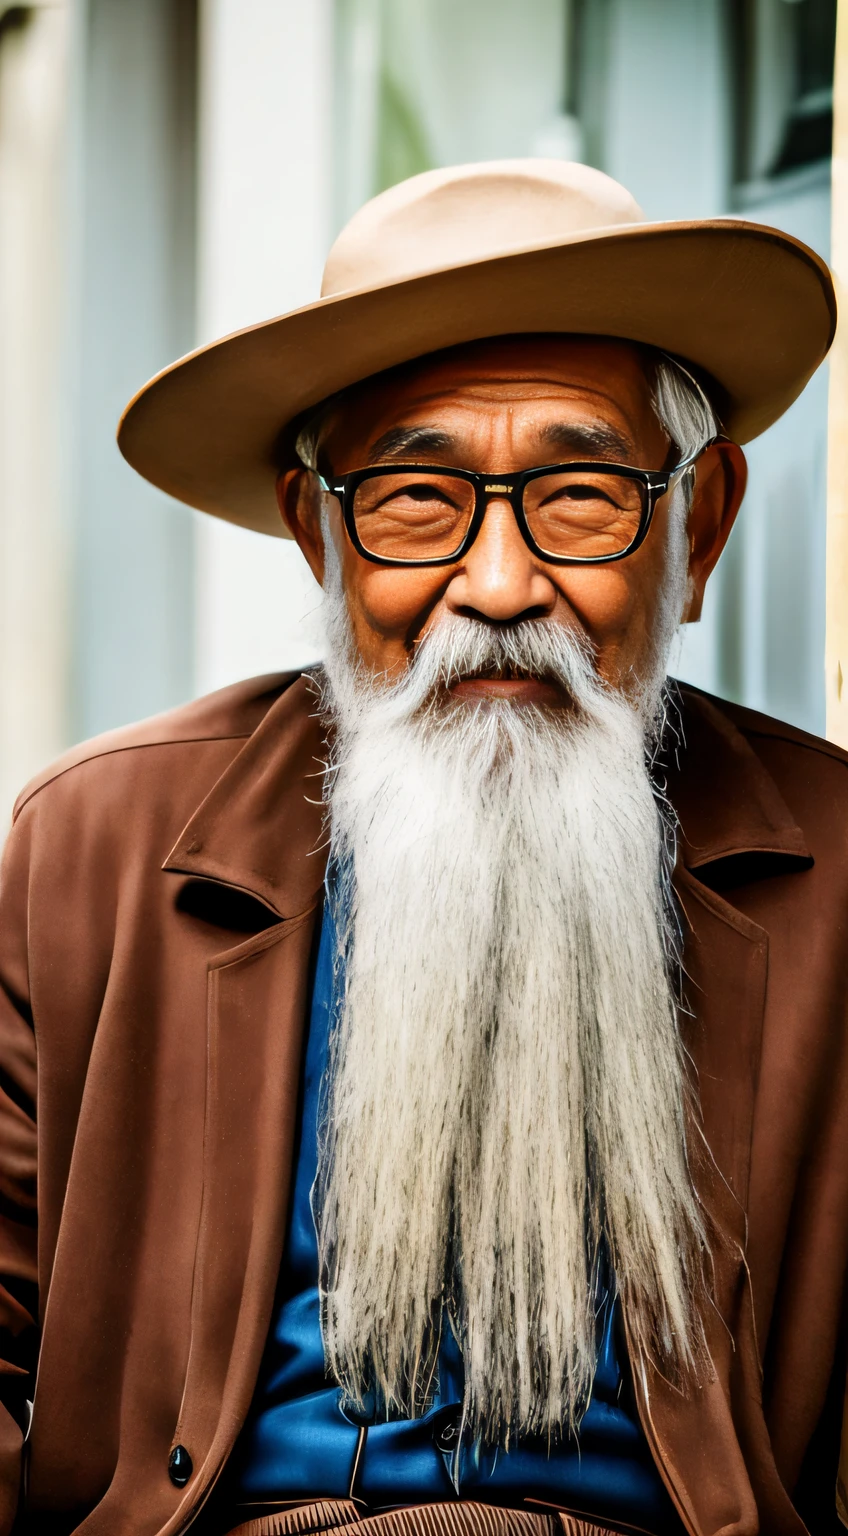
[(473, 251)]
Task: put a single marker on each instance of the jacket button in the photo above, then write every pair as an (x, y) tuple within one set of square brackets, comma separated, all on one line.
[(180, 1466), (446, 1434)]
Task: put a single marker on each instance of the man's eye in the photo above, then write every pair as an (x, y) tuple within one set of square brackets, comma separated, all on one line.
[(578, 492), (422, 492), (421, 495)]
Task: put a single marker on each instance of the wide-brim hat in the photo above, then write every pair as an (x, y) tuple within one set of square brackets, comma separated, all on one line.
[(456, 255)]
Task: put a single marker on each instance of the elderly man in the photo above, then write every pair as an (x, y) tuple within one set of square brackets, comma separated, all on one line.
[(441, 1072)]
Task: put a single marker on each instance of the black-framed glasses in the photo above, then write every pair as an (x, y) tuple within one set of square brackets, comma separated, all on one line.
[(568, 514)]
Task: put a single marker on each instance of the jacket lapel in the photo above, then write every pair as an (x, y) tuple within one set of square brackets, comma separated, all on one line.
[(257, 1002), (734, 827), (260, 828), (258, 833), (692, 1434)]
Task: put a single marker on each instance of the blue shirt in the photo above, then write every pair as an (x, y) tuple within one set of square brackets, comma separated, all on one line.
[(299, 1445)]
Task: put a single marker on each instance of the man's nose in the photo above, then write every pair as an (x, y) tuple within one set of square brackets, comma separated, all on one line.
[(500, 579)]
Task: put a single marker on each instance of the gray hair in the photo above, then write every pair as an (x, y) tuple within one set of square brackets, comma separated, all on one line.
[(681, 405), (306, 443)]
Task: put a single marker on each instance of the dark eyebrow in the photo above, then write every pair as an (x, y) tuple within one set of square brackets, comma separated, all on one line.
[(588, 441), (399, 442), (592, 442)]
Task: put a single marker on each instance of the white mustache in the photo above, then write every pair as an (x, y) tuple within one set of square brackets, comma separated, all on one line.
[(457, 648)]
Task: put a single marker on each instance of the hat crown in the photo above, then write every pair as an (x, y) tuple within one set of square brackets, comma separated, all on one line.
[(467, 213)]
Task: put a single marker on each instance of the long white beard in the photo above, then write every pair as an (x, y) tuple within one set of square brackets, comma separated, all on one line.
[(507, 1093)]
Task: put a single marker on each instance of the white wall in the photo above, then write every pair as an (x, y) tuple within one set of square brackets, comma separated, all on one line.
[(658, 105), (421, 83), (132, 303), (666, 111), (264, 221), (97, 195), (773, 594)]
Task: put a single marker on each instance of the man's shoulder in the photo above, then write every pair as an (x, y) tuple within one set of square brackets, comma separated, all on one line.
[(202, 727), (760, 730), (810, 773)]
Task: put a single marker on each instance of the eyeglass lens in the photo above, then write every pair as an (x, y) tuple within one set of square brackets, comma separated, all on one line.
[(577, 514)]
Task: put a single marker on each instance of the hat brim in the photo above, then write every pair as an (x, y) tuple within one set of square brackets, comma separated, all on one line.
[(749, 307)]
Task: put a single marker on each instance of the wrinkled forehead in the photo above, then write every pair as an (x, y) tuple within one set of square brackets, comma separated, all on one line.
[(604, 377)]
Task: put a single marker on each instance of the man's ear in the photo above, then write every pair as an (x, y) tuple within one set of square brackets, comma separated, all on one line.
[(721, 477), (299, 501)]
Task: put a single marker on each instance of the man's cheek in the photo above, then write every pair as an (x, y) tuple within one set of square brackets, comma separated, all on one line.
[(605, 598), (395, 605)]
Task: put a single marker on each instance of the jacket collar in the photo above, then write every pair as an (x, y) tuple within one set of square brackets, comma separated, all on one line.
[(260, 830), (734, 823)]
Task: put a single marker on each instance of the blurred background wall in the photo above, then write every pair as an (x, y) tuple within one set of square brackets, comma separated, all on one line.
[(173, 169)]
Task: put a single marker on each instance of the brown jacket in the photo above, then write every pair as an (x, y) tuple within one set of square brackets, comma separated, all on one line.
[(157, 910)]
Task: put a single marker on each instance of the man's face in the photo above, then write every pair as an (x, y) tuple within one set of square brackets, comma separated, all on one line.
[(502, 406)]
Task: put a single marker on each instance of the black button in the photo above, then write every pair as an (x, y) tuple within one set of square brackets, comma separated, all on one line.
[(446, 1434), (180, 1466)]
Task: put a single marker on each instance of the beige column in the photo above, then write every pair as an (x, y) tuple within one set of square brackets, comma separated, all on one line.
[(34, 545), (836, 645)]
